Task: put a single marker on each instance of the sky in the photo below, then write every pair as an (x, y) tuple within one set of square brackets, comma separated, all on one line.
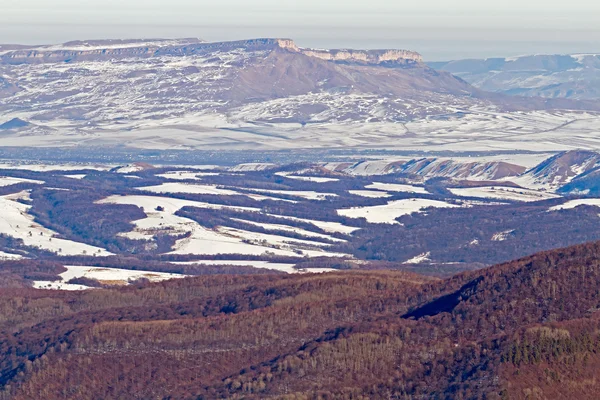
[(440, 30)]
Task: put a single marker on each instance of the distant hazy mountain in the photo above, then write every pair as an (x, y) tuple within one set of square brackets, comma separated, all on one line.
[(14, 123), (549, 76)]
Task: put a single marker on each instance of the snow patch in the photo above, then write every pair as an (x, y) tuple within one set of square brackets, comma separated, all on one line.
[(569, 205), (388, 213), (111, 276), (396, 187), (421, 258)]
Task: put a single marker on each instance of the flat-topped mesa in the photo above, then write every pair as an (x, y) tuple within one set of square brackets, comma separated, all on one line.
[(92, 50), (98, 50), (355, 56)]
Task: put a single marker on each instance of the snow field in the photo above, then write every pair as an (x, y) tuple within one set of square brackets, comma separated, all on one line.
[(576, 203), (387, 213), (178, 187), (503, 193), (8, 181), (204, 241), (374, 194), (15, 221), (396, 187), (112, 276)]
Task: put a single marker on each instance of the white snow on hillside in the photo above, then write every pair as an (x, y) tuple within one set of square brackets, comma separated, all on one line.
[(502, 236), (576, 203), (177, 187), (396, 187), (503, 193), (287, 268), (252, 167), (111, 276), (308, 247), (315, 179), (53, 167), (76, 176), (16, 222), (206, 241), (387, 213), (374, 194), (186, 175), (419, 259), (309, 195), (9, 256), (8, 181), (332, 227), (128, 169), (288, 228)]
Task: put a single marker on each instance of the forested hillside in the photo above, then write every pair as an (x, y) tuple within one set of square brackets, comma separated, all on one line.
[(521, 330)]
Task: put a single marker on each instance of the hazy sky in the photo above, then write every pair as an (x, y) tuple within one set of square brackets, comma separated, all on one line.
[(439, 29)]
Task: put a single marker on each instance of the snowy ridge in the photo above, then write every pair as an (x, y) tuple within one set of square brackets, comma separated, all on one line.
[(432, 167), (560, 170)]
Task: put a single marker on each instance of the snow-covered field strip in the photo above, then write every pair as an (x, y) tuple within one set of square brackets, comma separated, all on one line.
[(76, 176), (8, 180), (186, 175), (576, 203), (252, 167), (177, 187), (503, 193), (54, 167), (309, 195), (171, 205), (9, 256), (201, 240), (288, 228), (315, 179), (387, 214), (16, 222), (260, 197), (130, 169), (287, 268), (374, 194), (396, 187), (332, 227), (303, 247), (112, 276)]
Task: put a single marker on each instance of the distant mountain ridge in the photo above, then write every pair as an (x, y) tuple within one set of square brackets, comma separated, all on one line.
[(551, 76)]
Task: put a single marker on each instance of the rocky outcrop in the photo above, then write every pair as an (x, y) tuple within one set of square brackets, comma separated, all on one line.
[(355, 56)]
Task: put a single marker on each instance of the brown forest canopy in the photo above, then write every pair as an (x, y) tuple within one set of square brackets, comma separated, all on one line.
[(521, 329)]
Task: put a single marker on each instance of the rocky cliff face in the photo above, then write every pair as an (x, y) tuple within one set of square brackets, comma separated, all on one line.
[(356, 56), (110, 49)]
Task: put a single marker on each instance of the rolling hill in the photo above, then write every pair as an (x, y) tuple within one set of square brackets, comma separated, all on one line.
[(521, 329)]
